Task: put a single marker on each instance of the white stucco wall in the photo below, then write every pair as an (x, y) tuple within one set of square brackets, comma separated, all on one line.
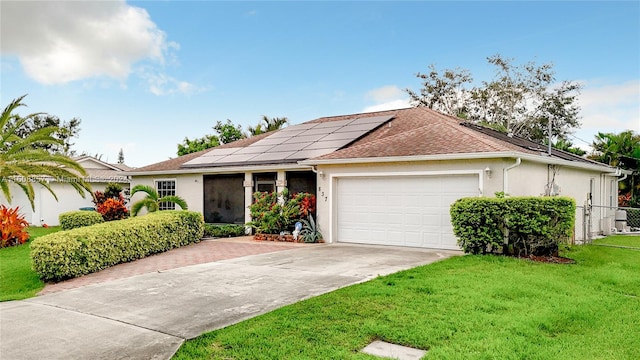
[(527, 179), (531, 178), (189, 187), (491, 182), (47, 209)]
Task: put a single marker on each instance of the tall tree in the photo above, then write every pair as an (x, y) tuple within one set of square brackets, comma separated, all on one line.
[(444, 91), (65, 131), (225, 133), (25, 159), (520, 99), (121, 156), (228, 132), (189, 146)]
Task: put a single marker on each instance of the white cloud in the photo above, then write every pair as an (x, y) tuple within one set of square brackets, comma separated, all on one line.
[(58, 42), (162, 84), (614, 107), (385, 94), (388, 97), (391, 105)]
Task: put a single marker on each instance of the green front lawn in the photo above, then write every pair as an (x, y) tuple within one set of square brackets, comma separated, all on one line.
[(17, 280), (468, 307), (620, 240)]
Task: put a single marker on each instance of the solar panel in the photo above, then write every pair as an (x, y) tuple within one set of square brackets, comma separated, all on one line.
[(339, 123), (235, 158), (296, 142), (305, 138), (273, 156), (255, 149), (343, 135), (223, 151)]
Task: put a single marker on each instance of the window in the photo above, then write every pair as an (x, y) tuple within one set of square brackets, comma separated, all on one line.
[(265, 182), (166, 188), (301, 181)]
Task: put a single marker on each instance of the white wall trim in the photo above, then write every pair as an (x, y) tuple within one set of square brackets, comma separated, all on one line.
[(220, 170), (464, 156), (333, 178)]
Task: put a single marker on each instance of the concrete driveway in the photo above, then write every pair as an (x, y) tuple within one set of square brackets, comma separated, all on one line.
[(149, 316)]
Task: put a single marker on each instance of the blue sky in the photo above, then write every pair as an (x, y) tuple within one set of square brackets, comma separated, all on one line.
[(144, 75)]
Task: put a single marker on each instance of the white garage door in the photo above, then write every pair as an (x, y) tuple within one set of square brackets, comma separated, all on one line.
[(402, 211)]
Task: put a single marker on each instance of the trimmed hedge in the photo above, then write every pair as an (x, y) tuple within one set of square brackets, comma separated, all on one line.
[(530, 225), (79, 218), (226, 230), (81, 251)]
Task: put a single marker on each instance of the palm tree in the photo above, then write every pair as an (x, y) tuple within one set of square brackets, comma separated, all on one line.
[(24, 161), (268, 124), (153, 200)]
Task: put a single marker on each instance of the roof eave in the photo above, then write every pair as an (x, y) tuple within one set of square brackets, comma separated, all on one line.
[(463, 156), (222, 169)]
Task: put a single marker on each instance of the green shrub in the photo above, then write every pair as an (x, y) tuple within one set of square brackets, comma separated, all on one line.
[(513, 226), (81, 251), (226, 230), (79, 218)]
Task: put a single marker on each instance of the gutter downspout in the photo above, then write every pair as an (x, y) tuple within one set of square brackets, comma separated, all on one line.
[(505, 180), (618, 188)]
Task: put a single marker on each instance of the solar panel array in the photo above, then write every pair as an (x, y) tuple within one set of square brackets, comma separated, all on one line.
[(293, 143)]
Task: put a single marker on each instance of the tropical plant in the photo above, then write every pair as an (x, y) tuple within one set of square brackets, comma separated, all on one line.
[(273, 213), (310, 232), (111, 204), (153, 200), (113, 209), (25, 161), (268, 124), (621, 150), (12, 227)]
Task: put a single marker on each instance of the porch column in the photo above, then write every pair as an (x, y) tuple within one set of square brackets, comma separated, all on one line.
[(281, 181), (248, 195)]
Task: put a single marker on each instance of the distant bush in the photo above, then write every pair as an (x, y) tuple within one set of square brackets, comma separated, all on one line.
[(226, 230), (84, 250), (79, 218), (513, 226)]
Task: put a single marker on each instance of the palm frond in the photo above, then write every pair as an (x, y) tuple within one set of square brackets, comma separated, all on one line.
[(147, 203), (174, 200), (149, 190)]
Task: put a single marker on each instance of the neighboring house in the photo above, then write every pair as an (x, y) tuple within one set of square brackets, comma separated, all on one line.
[(47, 209), (384, 178)]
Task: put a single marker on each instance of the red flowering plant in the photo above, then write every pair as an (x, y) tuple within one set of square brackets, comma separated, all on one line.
[(111, 203), (12, 227), (624, 200), (113, 209)]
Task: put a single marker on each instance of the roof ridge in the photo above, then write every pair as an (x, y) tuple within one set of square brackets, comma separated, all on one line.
[(484, 138), (357, 114)]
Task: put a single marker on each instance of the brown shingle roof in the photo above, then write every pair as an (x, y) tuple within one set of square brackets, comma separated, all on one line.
[(420, 131), (411, 132), (176, 163)]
